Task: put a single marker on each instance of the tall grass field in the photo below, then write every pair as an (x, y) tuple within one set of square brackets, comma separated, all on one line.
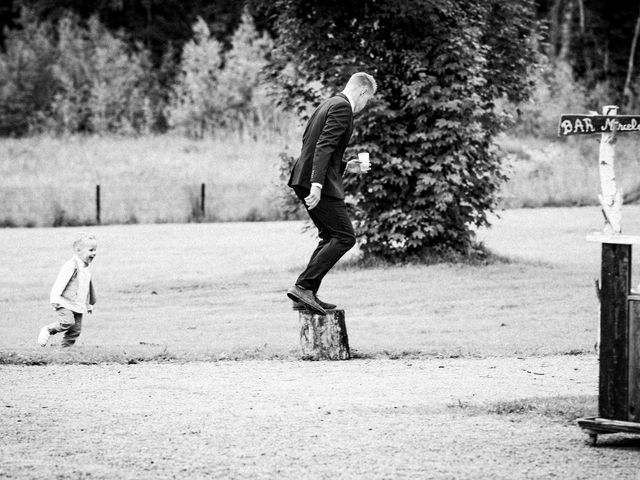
[(48, 181), (564, 172), (52, 181)]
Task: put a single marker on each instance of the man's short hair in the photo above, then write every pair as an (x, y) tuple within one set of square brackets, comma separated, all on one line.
[(363, 80), (83, 237)]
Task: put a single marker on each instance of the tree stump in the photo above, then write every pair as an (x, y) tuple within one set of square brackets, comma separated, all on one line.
[(324, 337)]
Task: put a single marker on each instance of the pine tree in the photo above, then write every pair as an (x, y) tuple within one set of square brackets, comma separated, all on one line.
[(241, 80), (27, 81), (195, 105)]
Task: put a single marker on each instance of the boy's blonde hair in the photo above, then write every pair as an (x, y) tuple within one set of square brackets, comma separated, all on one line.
[(83, 237)]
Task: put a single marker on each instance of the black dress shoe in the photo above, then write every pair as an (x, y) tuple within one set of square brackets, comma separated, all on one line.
[(307, 298), (325, 305), (301, 307)]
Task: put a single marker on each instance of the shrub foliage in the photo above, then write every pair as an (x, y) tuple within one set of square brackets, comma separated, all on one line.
[(72, 76), (217, 89), (440, 67)]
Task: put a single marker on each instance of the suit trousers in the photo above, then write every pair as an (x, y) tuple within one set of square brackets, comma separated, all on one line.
[(336, 238), (69, 323)]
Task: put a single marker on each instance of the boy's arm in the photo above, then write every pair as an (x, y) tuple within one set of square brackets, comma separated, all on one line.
[(61, 282), (92, 297)]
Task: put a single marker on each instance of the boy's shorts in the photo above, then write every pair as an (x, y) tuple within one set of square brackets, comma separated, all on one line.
[(68, 323)]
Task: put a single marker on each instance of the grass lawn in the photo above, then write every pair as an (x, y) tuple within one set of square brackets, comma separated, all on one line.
[(216, 291)]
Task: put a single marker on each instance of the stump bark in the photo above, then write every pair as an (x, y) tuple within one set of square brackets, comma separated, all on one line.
[(324, 337)]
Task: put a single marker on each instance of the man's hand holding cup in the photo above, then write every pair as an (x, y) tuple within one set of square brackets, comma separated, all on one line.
[(361, 164)]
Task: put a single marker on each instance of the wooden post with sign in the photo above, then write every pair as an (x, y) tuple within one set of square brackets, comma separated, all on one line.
[(607, 125), (619, 342)]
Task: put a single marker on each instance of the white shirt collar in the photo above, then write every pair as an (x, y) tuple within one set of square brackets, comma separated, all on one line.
[(353, 104), (79, 262)]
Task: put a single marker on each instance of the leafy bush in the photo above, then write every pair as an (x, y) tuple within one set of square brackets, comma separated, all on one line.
[(216, 89), (102, 84), (555, 92), (290, 205), (245, 96), (27, 80), (76, 76), (193, 108), (61, 217), (70, 77)]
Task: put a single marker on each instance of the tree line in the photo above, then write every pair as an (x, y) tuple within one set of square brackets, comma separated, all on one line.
[(595, 37), (587, 56), (75, 75), (452, 74)]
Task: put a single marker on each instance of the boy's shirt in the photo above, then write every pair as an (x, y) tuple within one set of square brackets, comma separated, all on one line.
[(73, 289)]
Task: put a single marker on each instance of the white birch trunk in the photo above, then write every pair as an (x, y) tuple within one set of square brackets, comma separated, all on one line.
[(611, 197)]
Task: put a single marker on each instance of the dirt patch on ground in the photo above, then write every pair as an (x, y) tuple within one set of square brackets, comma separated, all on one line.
[(274, 419)]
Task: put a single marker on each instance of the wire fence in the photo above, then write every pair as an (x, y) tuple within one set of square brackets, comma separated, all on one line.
[(130, 202)]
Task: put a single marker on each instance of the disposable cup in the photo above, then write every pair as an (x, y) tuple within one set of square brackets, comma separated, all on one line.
[(363, 158)]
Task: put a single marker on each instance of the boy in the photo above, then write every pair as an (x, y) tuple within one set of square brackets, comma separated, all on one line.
[(72, 294)]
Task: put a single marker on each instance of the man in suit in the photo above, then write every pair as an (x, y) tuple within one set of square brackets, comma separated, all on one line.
[(316, 179)]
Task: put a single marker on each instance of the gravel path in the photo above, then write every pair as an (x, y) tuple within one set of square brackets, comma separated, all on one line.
[(269, 419)]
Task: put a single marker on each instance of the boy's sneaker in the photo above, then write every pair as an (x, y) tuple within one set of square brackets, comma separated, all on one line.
[(43, 336)]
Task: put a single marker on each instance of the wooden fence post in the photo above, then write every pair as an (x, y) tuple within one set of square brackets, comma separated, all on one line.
[(202, 199), (98, 204)]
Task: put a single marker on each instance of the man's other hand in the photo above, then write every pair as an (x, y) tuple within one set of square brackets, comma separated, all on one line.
[(314, 197)]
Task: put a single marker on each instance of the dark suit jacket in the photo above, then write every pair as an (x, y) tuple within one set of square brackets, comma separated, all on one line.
[(323, 144)]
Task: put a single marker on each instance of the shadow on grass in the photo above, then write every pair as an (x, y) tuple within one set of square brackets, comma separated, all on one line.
[(619, 441), (130, 355), (156, 353), (560, 408), (564, 409), (411, 355), (85, 356), (480, 256)]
